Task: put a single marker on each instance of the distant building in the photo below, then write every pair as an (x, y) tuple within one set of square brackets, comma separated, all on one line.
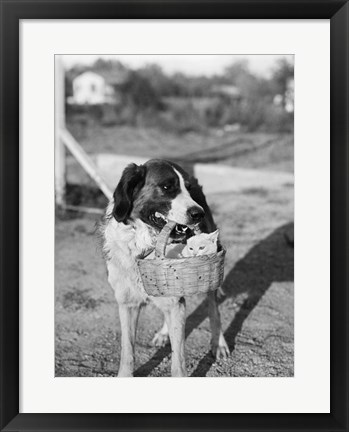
[(226, 90), (286, 100), (289, 96), (92, 88)]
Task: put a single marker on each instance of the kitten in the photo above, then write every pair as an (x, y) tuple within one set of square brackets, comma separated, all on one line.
[(201, 244)]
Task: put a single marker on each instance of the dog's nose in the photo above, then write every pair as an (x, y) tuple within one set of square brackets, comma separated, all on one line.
[(196, 214)]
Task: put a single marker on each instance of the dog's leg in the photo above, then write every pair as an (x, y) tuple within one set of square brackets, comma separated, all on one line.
[(176, 323), (219, 346), (128, 319), (161, 337), (174, 311)]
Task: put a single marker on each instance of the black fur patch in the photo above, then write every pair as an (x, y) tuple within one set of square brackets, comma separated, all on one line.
[(131, 182)]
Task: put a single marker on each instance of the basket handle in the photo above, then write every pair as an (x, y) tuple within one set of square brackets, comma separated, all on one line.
[(162, 239)]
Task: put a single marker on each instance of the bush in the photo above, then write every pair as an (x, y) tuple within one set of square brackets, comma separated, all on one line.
[(278, 120), (252, 115), (182, 119), (183, 116)]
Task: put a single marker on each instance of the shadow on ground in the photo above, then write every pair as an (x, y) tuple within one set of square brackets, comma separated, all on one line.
[(271, 260)]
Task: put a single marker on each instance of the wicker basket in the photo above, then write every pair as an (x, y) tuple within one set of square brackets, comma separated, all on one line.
[(178, 277)]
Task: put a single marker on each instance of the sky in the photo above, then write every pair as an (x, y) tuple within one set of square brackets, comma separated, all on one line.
[(189, 64)]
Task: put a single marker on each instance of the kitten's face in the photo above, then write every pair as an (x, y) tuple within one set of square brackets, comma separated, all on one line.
[(201, 244)]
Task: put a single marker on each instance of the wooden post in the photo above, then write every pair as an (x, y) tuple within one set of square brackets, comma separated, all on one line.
[(64, 139), (60, 167), (85, 161)]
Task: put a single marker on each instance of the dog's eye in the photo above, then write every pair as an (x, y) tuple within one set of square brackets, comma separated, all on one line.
[(190, 248), (166, 187), (202, 247)]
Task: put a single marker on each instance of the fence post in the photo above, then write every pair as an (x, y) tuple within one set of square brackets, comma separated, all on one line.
[(60, 167)]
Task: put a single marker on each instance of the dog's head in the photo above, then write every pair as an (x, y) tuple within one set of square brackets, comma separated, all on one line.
[(156, 192)]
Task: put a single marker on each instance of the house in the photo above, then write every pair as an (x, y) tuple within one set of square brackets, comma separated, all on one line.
[(89, 88), (94, 88), (227, 91)]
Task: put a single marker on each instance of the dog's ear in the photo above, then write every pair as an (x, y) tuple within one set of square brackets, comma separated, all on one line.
[(132, 180)]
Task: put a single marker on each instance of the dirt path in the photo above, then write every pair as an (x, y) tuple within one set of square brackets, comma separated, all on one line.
[(257, 312)]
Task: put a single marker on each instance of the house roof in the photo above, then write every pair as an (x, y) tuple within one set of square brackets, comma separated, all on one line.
[(88, 74), (112, 77)]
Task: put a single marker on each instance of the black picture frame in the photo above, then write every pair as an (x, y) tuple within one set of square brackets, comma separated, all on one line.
[(12, 11)]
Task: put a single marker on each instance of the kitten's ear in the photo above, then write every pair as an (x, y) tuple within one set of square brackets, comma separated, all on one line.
[(214, 236)]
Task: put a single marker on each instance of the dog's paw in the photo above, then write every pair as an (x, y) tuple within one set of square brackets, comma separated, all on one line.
[(221, 351), (160, 339)]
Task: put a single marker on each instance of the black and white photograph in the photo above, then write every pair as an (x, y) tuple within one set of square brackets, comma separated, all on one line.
[(174, 213)]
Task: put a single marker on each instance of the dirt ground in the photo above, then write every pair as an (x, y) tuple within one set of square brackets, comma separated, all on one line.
[(257, 310)]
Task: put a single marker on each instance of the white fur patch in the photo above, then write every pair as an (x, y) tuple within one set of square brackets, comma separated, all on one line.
[(181, 204), (122, 245)]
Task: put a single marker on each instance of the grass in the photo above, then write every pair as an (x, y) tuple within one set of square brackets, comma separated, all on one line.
[(249, 150)]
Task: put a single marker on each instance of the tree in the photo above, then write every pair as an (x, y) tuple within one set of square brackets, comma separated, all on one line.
[(140, 93), (282, 74)]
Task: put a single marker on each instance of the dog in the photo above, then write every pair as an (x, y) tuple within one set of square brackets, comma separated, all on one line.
[(145, 198)]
